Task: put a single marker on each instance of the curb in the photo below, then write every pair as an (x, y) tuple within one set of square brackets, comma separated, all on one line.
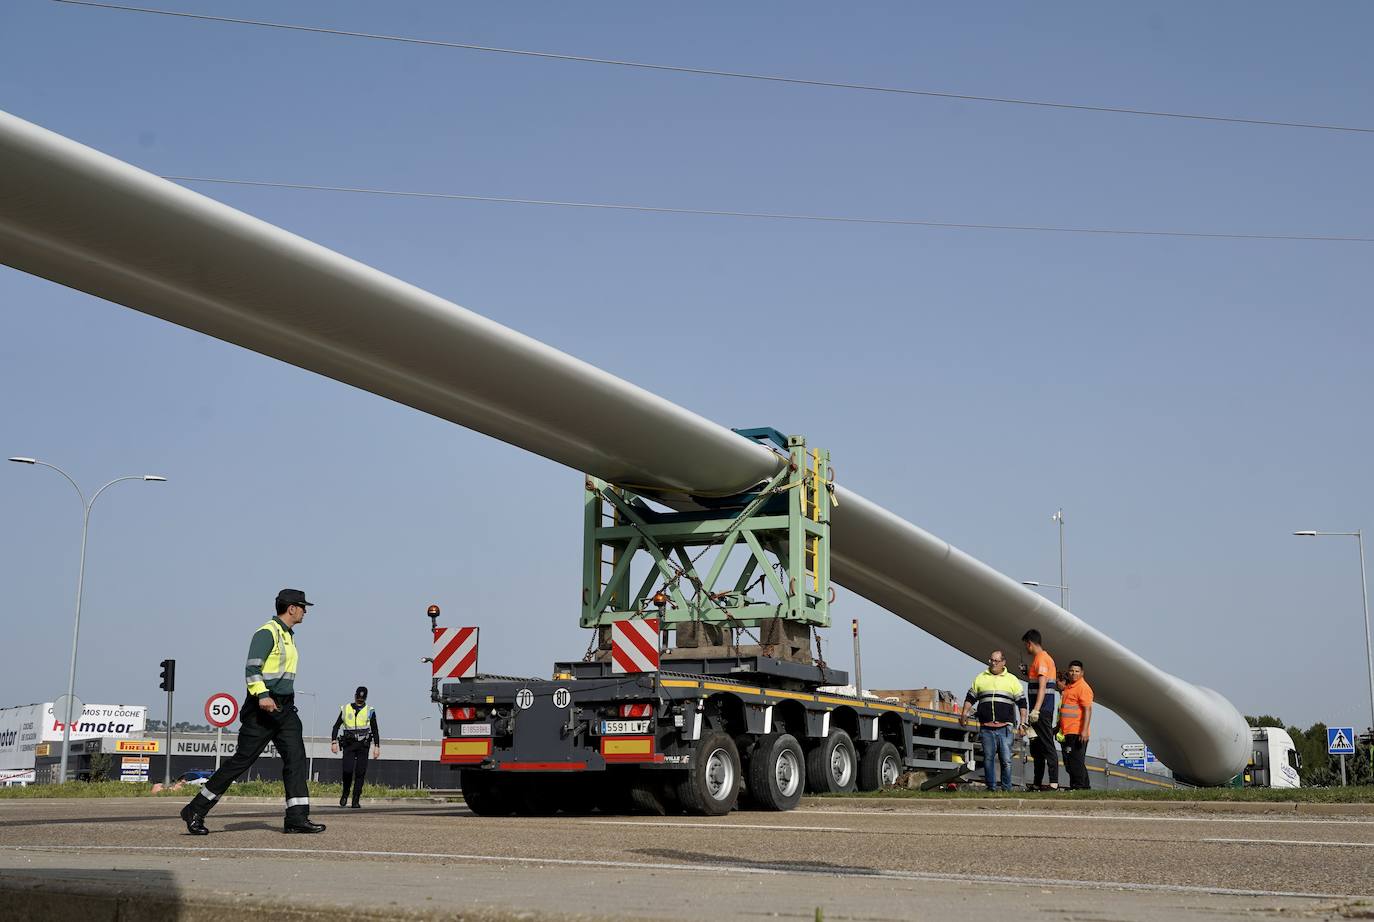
[(1050, 802), (34, 897)]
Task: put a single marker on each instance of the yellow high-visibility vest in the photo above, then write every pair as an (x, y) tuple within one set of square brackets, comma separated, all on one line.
[(280, 663), (356, 720)]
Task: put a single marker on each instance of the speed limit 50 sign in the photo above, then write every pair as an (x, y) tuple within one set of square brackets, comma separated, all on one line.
[(222, 709)]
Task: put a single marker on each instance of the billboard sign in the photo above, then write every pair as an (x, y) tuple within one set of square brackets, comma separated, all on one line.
[(96, 721), (21, 730)]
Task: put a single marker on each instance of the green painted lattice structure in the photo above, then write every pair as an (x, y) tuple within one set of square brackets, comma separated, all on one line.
[(784, 526)]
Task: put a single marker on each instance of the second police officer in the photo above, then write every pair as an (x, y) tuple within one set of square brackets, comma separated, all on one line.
[(355, 730)]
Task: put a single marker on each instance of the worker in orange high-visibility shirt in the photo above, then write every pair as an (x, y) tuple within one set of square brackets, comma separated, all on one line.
[(1040, 681), (1075, 721)]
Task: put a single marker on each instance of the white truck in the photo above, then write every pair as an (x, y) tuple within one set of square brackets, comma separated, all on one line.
[(1274, 759)]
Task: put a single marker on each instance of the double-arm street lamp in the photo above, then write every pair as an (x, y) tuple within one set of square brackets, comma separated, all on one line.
[(80, 578), (1358, 535)]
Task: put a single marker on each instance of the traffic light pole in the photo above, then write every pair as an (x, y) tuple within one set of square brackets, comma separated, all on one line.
[(169, 684), (167, 759)]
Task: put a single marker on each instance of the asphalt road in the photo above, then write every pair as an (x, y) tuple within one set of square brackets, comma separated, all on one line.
[(853, 861)]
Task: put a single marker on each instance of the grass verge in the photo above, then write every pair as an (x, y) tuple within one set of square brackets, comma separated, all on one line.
[(1361, 794), (242, 789)]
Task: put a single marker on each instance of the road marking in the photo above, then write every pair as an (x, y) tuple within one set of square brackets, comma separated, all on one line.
[(688, 824), (737, 867), (1114, 818), (1291, 842)]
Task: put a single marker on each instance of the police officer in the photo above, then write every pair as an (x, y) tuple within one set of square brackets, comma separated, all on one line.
[(269, 716), (354, 729)]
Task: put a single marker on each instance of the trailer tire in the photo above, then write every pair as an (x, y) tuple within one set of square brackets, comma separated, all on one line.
[(711, 786), (832, 767), (777, 772), (485, 794), (646, 797), (880, 766)]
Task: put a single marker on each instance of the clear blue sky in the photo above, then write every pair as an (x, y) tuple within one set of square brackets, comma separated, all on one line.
[(1189, 402)]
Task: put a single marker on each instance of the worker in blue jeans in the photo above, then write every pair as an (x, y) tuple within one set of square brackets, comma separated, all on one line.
[(995, 697)]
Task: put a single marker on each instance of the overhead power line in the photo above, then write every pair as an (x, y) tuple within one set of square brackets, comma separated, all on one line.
[(737, 75), (772, 215)]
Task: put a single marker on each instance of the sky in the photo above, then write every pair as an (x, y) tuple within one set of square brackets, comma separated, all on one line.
[(1188, 402)]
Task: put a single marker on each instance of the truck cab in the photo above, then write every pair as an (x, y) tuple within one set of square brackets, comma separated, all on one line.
[(1274, 759)]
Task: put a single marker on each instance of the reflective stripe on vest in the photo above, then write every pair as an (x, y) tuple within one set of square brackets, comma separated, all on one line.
[(281, 662), (356, 720)]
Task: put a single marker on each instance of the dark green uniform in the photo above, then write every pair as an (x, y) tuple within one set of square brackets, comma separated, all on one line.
[(270, 671)]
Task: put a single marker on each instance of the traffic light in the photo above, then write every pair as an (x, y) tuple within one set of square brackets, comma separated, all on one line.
[(169, 675)]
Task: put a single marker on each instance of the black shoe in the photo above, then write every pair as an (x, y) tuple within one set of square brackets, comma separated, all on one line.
[(195, 822), (357, 806), (343, 801), (301, 824)]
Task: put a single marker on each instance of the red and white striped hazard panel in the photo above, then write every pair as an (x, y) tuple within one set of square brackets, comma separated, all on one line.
[(636, 710), (634, 645), (455, 653), (454, 712)]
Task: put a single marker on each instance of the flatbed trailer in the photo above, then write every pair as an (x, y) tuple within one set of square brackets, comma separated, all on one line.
[(696, 736)]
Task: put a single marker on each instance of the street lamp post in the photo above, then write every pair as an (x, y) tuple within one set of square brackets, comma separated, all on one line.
[(80, 579), (420, 761), (1358, 535), (1063, 585)]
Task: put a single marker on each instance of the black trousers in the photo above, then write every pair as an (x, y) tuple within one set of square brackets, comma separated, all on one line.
[(354, 767), (1075, 760), (257, 728), (1042, 748)]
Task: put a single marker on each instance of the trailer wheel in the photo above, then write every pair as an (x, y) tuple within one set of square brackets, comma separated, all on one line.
[(832, 767), (711, 786), (646, 796), (879, 767), (777, 772), (485, 793)]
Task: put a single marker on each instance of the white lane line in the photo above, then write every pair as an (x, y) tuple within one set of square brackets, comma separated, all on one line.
[(737, 867), (1115, 818), (687, 824), (1291, 842)]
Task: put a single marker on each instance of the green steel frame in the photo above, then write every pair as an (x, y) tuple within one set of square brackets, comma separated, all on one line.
[(784, 525)]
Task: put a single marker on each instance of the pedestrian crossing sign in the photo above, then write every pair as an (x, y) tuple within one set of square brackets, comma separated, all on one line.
[(1340, 741)]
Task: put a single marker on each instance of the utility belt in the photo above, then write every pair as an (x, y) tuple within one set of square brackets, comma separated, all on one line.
[(355, 736)]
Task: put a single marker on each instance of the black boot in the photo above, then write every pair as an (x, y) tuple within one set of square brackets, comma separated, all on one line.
[(356, 805), (195, 822), (343, 797), (301, 824)]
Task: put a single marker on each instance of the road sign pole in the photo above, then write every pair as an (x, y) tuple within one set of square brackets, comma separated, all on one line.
[(219, 741), (1342, 769)]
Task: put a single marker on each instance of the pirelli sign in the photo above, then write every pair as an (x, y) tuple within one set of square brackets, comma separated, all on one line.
[(137, 746)]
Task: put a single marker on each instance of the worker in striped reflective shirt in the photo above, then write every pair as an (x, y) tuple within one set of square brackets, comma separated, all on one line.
[(996, 697), (269, 716)]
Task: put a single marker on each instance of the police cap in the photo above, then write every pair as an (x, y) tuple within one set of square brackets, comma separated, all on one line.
[(293, 597)]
